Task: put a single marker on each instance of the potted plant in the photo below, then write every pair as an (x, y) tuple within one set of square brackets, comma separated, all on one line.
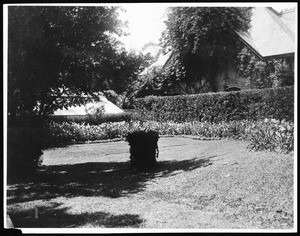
[(143, 148)]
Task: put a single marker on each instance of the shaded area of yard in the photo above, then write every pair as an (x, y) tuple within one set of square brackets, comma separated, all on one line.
[(55, 216), (107, 179), (197, 184)]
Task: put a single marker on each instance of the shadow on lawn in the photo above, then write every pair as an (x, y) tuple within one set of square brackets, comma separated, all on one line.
[(108, 179), (53, 216)]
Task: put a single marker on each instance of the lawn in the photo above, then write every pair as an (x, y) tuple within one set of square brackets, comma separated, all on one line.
[(198, 184)]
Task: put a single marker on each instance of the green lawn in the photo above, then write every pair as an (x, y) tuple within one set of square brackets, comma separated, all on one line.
[(198, 184)]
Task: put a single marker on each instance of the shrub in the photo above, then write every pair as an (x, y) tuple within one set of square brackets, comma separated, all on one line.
[(259, 133), (274, 103), (94, 119), (143, 148), (266, 73), (24, 150), (272, 135), (59, 133)]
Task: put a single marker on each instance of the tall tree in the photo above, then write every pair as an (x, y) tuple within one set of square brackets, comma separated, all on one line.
[(202, 38), (55, 47)]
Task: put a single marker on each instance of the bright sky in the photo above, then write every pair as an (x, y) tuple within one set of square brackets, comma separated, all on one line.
[(145, 24)]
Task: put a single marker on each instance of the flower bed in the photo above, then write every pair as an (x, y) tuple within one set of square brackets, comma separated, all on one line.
[(263, 134)]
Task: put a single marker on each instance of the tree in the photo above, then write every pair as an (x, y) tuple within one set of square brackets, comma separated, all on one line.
[(56, 51), (202, 38), (120, 72), (265, 73)]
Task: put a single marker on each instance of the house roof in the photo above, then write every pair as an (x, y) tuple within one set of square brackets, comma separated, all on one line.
[(161, 61), (271, 33), (109, 108)]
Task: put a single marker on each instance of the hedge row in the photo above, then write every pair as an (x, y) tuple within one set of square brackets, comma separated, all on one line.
[(273, 103)]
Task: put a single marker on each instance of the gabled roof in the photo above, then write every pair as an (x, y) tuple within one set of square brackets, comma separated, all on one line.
[(271, 33), (289, 16), (109, 108), (161, 61)]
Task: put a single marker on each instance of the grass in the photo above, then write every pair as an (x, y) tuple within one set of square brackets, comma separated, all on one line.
[(197, 184)]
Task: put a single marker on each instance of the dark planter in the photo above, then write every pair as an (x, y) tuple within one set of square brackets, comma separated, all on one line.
[(143, 148)]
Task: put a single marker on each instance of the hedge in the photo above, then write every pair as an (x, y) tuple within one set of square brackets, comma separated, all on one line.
[(272, 103)]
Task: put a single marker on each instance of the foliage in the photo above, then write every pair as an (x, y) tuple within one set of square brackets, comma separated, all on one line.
[(57, 56), (265, 73), (94, 119), (67, 132), (63, 51), (120, 100), (174, 78), (112, 96), (121, 70), (151, 51), (273, 135), (257, 104), (213, 27), (203, 38), (267, 134), (23, 151), (143, 147)]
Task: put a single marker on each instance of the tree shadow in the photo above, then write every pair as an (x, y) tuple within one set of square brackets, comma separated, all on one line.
[(108, 179), (54, 216)]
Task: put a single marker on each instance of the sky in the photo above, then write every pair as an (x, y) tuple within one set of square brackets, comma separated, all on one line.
[(145, 22)]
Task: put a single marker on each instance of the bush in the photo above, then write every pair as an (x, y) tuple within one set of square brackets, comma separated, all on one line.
[(272, 135), (24, 150), (59, 133), (259, 133), (274, 103), (143, 148), (94, 119)]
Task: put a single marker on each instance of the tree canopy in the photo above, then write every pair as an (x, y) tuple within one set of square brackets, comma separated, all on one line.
[(63, 50), (201, 38)]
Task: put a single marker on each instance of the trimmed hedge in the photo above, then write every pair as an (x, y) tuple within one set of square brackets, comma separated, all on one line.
[(143, 148), (273, 103)]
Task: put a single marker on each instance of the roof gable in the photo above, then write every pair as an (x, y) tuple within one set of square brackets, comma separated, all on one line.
[(270, 34), (161, 61), (89, 108)]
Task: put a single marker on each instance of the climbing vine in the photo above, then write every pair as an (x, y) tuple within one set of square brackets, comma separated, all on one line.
[(265, 73)]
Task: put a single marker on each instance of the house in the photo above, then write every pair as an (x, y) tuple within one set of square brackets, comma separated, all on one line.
[(159, 64), (271, 35)]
